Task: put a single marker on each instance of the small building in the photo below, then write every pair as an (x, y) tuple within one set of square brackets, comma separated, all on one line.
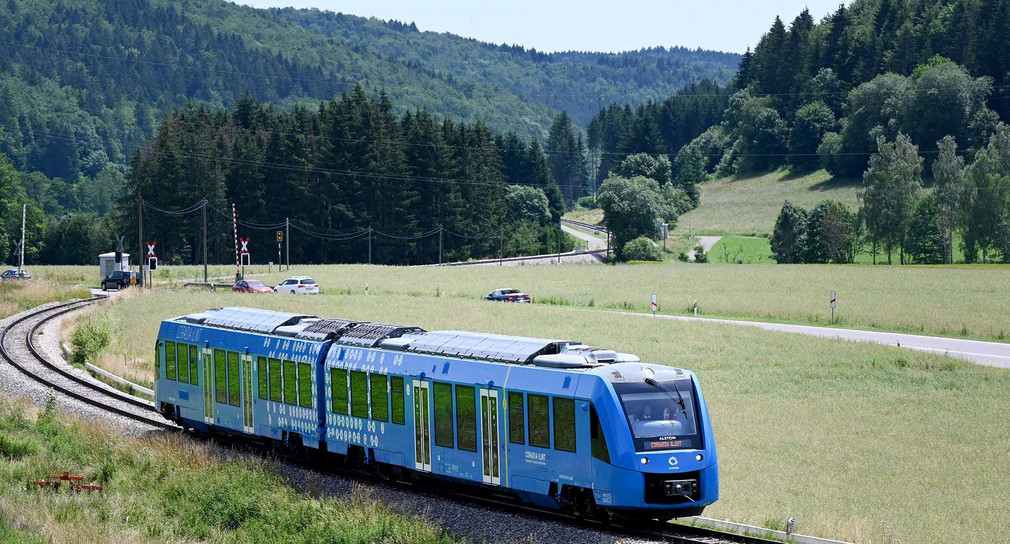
[(107, 263)]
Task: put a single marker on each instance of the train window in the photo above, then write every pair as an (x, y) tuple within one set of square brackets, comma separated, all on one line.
[(194, 368), (275, 380), (220, 377), (290, 383), (183, 360), (443, 415), (466, 417), (597, 441), (261, 377), (338, 390), (564, 424), (233, 379), (305, 385), (359, 394), (396, 396), (170, 360), (517, 423), (380, 397), (539, 421)]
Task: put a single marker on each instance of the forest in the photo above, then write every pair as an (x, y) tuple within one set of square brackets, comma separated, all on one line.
[(358, 183), (84, 83)]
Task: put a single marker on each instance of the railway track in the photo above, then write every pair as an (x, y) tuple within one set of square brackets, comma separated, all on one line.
[(585, 226), (18, 348)]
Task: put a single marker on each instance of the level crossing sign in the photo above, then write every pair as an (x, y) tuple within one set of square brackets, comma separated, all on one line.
[(150, 249), (833, 300)]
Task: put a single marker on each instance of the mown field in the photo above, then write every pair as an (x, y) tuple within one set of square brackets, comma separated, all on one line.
[(164, 487), (962, 301), (858, 442), (17, 296), (751, 205)]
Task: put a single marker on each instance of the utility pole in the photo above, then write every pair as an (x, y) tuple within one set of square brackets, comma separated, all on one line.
[(369, 245), (440, 245), (140, 239), (205, 240), (287, 241), (501, 246)]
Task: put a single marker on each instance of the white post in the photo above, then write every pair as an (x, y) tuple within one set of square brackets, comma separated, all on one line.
[(655, 305), (24, 211)]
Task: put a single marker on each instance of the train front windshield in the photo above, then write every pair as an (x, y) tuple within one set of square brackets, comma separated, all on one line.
[(661, 415)]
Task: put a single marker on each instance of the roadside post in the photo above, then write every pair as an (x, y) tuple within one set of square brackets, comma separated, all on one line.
[(655, 304), (666, 234), (833, 300), (695, 307)]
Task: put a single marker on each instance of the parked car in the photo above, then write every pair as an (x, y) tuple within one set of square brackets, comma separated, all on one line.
[(13, 274), (508, 295), (120, 279), (251, 286), (298, 285)]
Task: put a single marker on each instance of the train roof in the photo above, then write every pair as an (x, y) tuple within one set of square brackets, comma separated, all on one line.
[(544, 352)]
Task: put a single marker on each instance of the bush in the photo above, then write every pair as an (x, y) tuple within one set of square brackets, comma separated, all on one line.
[(88, 340), (699, 254), (641, 249), (586, 203), (14, 447)]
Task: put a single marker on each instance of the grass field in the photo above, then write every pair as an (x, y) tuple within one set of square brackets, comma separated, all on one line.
[(750, 206), (742, 250), (939, 300), (856, 441), (166, 488)]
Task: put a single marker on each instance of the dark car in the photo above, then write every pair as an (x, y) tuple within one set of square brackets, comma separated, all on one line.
[(119, 279), (252, 286), (13, 274), (508, 295)]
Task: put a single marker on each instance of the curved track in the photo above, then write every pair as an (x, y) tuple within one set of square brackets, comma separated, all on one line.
[(18, 336), (37, 367)]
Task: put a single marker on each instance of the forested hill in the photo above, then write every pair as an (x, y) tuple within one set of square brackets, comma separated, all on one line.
[(578, 82), (84, 82)]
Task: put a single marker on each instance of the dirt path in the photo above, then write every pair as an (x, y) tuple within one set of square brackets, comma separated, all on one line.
[(707, 242)]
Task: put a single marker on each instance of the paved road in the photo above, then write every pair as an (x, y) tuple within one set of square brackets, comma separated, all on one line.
[(707, 242), (975, 351), (594, 242)]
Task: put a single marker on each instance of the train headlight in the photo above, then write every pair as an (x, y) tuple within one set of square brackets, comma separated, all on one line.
[(645, 460), (699, 457)]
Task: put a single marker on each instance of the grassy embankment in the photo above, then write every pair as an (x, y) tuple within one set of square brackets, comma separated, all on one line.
[(18, 296), (851, 439), (165, 487)]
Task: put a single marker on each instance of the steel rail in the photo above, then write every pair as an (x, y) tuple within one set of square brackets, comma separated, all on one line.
[(106, 390), (91, 401), (668, 532)]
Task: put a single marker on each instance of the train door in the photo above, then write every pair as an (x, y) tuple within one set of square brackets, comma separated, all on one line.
[(247, 393), (422, 426), (489, 436), (208, 387)]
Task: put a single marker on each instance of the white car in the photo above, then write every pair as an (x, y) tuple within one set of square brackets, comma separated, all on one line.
[(298, 285)]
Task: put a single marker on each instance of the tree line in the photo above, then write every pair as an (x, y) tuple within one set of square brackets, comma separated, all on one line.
[(418, 186), (967, 205)]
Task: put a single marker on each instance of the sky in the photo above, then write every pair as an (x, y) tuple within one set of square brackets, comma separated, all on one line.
[(588, 25)]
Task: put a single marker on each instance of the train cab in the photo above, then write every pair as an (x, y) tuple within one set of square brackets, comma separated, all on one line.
[(663, 455)]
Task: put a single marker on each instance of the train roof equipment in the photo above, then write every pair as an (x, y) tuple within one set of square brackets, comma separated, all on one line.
[(543, 352)]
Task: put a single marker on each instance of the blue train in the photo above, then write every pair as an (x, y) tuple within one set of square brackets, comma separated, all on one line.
[(558, 424)]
